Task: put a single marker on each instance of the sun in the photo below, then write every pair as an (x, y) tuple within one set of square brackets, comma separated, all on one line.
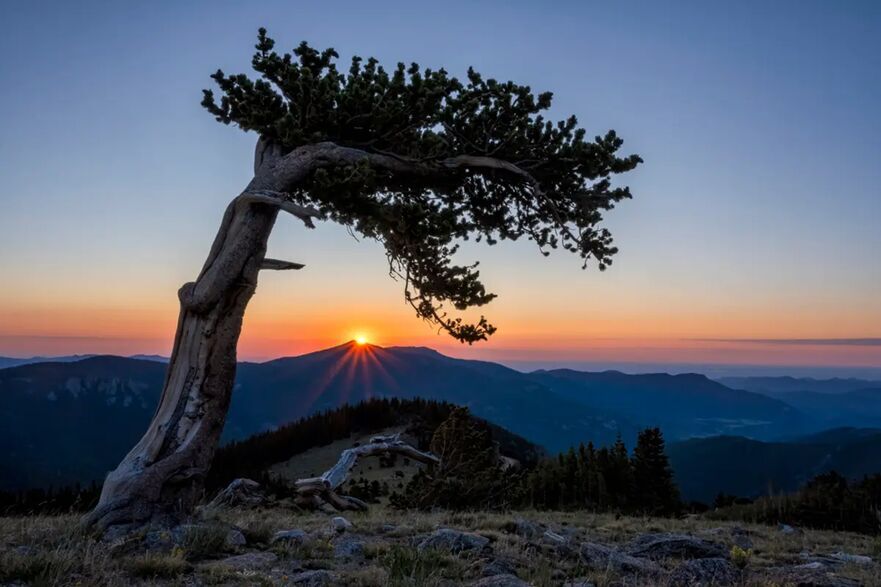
[(361, 339)]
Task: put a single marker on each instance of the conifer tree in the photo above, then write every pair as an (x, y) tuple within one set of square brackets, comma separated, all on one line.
[(410, 157), (655, 489)]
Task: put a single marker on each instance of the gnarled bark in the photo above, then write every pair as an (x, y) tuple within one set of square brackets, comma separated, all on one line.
[(161, 478)]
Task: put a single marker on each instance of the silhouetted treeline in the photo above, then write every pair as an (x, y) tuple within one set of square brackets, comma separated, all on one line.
[(828, 501), (607, 479)]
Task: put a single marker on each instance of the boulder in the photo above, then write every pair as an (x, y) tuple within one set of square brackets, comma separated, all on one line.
[(339, 524), (599, 557), (704, 571), (552, 538), (803, 576), (500, 581), (246, 562), (290, 537), (668, 545), (496, 567), (239, 493), (524, 528), (856, 559), (453, 541), (316, 578), (235, 538), (348, 549)]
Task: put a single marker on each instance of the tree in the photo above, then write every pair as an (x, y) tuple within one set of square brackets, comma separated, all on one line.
[(469, 474), (410, 157), (655, 490)]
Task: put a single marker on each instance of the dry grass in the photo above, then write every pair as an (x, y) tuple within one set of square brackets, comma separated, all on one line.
[(53, 551)]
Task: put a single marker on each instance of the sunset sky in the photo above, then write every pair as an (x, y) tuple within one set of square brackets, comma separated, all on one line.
[(754, 236)]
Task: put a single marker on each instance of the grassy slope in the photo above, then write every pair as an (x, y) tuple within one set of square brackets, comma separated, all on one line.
[(61, 555)]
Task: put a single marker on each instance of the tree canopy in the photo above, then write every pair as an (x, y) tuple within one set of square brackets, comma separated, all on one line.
[(431, 161)]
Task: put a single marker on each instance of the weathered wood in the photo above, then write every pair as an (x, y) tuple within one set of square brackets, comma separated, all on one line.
[(161, 479), (326, 485), (279, 265)]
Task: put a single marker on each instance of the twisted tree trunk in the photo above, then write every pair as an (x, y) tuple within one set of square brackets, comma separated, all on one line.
[(162, 477)]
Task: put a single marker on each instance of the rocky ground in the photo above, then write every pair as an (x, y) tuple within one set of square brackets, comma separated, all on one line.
[(281, 546)]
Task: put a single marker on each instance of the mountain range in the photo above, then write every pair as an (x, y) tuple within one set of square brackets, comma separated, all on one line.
[(72, 420)]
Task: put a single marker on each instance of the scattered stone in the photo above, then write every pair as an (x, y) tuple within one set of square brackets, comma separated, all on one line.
[(497, 567), (600, 558), (239, 493), (553, 538), (668, 545), (856, 559), (290, 537), (704, 571), (453, 541), (500, 581), (348, 549), (807, 577), (235, 538), (315, 578), (339, 524), (523, 528), (814, 566), (246, 562)]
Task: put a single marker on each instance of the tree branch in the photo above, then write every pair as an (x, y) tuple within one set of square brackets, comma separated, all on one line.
[(325, 486), (279, 265)]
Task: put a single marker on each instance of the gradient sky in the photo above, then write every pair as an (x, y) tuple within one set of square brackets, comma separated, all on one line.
[(753, 236)]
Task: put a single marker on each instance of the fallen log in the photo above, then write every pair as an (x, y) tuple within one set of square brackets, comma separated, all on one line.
[(317, 491)]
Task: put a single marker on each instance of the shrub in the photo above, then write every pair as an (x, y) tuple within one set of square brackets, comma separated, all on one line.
[(740, 556)]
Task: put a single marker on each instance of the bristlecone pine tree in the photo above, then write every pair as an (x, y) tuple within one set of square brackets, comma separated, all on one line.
[(410, 157)]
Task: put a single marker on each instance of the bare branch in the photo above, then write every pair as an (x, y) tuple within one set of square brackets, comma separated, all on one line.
[(280, 200), (279, 265), (325, 486)]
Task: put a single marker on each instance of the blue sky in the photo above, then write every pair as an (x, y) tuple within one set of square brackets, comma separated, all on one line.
[(755, 215)]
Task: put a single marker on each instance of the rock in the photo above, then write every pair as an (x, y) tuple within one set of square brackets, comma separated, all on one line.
[(524, 528), (787, 529), (339, 524), (704, 571), (348, 549), (668, 545), (453, 541), (579, 583), (553, 538), (386, 528), (497, 567), (500, 581), (247, 561), (290, 537), (239, 493), (235, 538), (313, 578), (856, 559), (601, 558), (802, 576)]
